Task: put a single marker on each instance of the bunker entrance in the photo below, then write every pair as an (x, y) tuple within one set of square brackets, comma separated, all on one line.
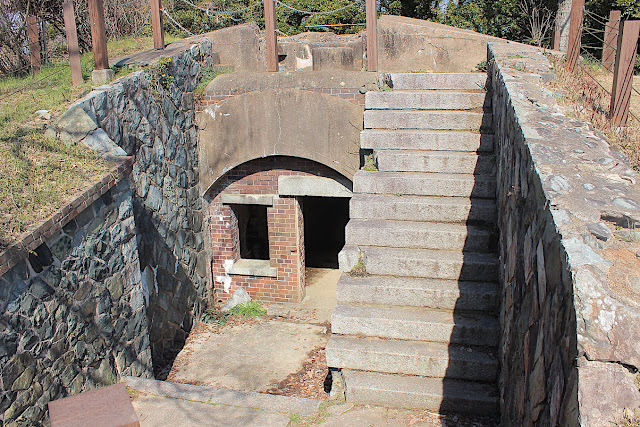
[(325, 219)]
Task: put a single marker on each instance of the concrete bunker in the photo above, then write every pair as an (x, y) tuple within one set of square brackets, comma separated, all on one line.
[(264, 216)]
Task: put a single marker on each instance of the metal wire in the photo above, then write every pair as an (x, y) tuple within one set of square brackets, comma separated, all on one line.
[(209, 12), (309, 12), (177, 24), (62, 68)]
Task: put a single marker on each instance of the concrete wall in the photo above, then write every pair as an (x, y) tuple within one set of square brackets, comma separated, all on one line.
[(72, 312), (150, 115), (570, 324), (283, 114), (285, 229)]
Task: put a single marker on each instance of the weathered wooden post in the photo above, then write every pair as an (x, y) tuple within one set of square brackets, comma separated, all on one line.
[(372, 35), (555, 40), (623, 73), (72, 42), (575, 33), (610, 43), (34, 43), (270, 35), (157, 24), (101, 74)]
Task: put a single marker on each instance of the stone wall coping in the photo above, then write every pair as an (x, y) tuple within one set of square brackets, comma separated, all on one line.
[(77, 203), (247, 199)]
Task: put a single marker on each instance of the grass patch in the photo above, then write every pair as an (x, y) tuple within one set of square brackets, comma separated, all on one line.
[(249, 309), (586, 100), (212, 315), (38, 174), (359, 270), (206, 76), (369, 163)]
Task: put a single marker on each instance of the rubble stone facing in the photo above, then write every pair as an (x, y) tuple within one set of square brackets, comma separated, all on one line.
[(569, 341), (73, 312), (150, 115)]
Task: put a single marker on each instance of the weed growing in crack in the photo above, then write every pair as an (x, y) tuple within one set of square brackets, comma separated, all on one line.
[(249, 309)]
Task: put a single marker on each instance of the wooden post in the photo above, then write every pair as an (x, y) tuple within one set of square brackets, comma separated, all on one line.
[(34, 43), (611, 40), (156, 24), (555, 39), (575, 33), (372, 35), (72, 42), (623, 73), (98, 35), (270, 35)]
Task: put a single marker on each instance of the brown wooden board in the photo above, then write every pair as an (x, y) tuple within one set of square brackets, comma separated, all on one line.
[(34, 43), (623, 72), (575, 33), (611, 40), (72, 42), (372, 36), (102, 407)]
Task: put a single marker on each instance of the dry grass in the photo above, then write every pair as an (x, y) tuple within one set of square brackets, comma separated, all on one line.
[(585, 99)]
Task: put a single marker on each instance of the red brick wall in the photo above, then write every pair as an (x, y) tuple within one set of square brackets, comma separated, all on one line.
[(285, 228), (350, 94)]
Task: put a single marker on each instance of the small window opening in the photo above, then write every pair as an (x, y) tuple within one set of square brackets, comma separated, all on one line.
[(253, 231)]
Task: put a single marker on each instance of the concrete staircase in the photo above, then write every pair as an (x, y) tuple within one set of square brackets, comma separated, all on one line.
[(420, 329)]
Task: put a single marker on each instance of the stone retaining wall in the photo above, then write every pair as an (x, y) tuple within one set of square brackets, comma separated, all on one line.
[(72, 312), (150, 115), (569, 345)]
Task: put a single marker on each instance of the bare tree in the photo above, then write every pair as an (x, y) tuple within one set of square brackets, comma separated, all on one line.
[(539, 20)]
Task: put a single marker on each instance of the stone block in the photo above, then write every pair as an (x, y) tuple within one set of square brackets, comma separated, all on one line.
[(101, 77)]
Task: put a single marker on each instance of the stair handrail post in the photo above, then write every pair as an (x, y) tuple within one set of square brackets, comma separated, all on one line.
[(623, 72), (72, 42), (372, 35), (575, 33), (610, 42), (270, 35)]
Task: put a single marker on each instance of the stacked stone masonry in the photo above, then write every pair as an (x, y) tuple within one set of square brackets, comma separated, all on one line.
[(73, 312), (569, 352)]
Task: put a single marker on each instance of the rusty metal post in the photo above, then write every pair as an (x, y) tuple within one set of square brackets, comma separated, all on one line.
[(270, 35), (72, 42), (575, 33), (555, 40), (157, 24), (98, 34), (610, 43), (623, 72), (34, 43), (372, 35)]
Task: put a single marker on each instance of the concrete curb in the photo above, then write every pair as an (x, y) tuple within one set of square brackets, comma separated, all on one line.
[(221, 396)]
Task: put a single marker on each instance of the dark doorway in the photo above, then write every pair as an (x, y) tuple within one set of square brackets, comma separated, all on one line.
[(253, 231), (324, 222)]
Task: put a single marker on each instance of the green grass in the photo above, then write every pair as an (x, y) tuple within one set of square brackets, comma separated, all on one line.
[(37, 174), (212, 315), (249, 309)]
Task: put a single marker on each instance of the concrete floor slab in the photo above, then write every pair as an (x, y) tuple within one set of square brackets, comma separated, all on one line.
[(250, 356), (164, 411)]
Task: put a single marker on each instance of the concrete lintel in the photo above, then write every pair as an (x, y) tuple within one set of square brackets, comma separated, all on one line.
[(247, 199), (311, 186), (254, 267)]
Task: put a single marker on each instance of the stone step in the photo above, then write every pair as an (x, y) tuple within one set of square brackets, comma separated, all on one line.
[(426, 235), (416, 139), (413, 323), (423, 119), (435, 161), (426, 100), (420, 392), (423, 208), (424, 184), (442, 81), (418, 292), (428, 359), (433, 264)]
